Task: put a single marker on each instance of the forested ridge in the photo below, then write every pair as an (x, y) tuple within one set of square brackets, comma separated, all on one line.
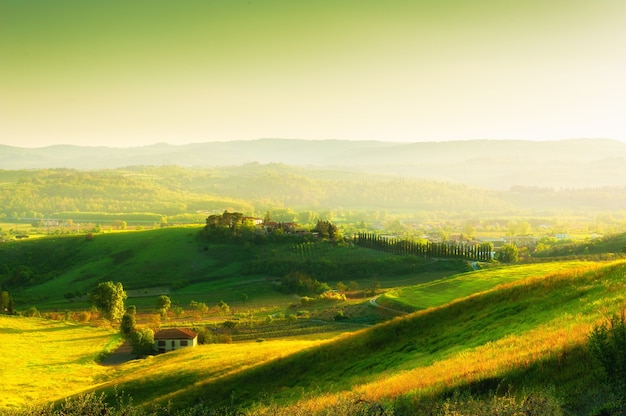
[(255, 188)]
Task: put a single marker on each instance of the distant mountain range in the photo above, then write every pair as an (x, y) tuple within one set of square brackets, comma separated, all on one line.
[(495, 164)]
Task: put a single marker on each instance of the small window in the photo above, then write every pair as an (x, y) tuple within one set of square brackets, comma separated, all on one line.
[(183, 343), (161, 343)]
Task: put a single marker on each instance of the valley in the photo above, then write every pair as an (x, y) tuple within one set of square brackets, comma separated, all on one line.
[(315, 290)]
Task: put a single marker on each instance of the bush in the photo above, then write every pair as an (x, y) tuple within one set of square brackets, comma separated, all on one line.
[(127, 327), (84, 317), (142, 342), (32, 312), (607, 344)]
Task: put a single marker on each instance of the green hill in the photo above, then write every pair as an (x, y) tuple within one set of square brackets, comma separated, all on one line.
[(57, 272), (523, 337), (519, 331)]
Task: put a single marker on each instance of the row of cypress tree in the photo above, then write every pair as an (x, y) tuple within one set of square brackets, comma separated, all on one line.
[(467, 251)]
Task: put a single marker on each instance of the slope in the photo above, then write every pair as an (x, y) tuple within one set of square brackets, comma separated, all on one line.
[(529, 333)]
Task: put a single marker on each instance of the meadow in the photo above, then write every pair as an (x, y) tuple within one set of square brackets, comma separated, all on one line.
[(45, 360), (522, 333), (502, 332)]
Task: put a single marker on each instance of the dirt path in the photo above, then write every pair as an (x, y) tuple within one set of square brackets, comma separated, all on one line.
[(376, 305), (120, 356)]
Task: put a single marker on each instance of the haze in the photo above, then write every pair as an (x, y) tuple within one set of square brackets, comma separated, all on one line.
[(122, 74)]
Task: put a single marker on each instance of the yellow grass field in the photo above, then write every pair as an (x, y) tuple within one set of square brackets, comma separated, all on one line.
[(44, 360)]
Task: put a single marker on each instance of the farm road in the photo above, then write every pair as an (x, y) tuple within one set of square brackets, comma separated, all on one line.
[(376, 305), (120, 356)]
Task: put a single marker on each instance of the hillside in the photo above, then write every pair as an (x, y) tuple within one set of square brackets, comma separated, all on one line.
[(524, 337), (57, 272), (149, 195), (491, 164), (529, 334)]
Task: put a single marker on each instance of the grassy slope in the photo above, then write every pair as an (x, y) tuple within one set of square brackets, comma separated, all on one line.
[(149, 262), (439, 292), (148, 259), (527, 333), (44, 360)]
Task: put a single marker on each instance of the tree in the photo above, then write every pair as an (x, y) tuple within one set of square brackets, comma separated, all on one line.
[(127, 326), (224, 307), (108, 297), (142, 342), (4, 301), (199, 307), (178, 311), (470, 231), (326, 229), (163, 304), (508, 253)]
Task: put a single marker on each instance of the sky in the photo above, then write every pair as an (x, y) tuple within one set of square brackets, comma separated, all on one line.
[(125, 73)]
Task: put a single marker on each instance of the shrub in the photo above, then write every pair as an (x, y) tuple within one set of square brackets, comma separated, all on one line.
[(84, 317), (607, 344), (142, 342), (127, 326), (32, 312)]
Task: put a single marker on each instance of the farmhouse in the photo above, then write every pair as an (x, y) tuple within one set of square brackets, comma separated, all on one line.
[(174, 338)]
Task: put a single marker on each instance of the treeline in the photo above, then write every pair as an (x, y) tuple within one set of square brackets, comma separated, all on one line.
[(331, 262), (44, 193), (174, 191), (251, 188), (477, 252)]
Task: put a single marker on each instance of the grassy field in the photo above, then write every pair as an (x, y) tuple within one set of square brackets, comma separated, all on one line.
[(442, 291), (526, 333), (522, 328), (174, 261), (44, 360)]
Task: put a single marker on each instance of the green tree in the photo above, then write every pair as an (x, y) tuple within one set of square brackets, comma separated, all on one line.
[(4, 301), (199, 307), (508, 253), (142, 342), (127, 326), (163, 304), (470, 231), (108, 297), (395, 227), (178, 311), (224, 307)]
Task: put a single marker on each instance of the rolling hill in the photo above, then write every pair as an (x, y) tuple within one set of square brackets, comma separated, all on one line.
[(492, 164), (522, 338)]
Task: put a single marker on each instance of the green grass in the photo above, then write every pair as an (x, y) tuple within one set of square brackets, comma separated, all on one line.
[(515, 332), (439, 292), (162, 260), (524, 332), (522, 326)]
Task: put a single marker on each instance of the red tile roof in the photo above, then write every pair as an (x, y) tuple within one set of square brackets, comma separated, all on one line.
[(175, 333)]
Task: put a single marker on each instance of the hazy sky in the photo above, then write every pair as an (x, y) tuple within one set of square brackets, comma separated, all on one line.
[(136, 72)]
